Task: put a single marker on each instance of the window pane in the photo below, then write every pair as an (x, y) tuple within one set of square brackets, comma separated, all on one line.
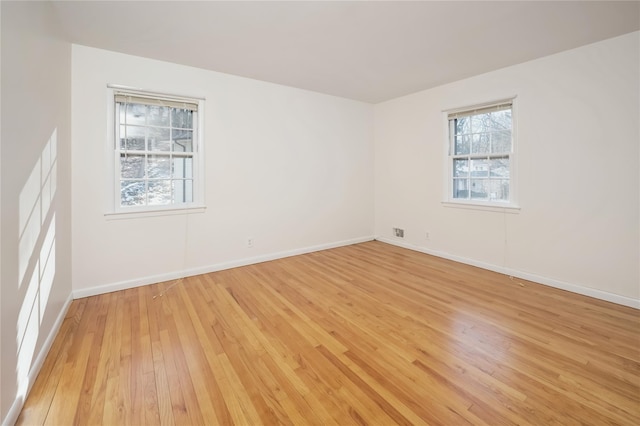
[(158, 166), (134, 137), (499, 189), (132, 166), (183, 191), (182, 118), (159, 192), (132, 193), (460, 168), (182, 167), (479, 123), (158, 139), (136, 114), (499, 167), (182, 140), (123, 137), (480, 168), (155, 148), (501, 120), (480, 144), (158, 116), (462, 125), (501, 142), (462, 145), (461, 188), (479, 189)]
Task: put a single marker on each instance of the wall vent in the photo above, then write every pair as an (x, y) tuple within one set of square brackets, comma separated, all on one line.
[(398, 232)]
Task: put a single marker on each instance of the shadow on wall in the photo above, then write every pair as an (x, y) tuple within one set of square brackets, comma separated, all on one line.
[(36, 256)]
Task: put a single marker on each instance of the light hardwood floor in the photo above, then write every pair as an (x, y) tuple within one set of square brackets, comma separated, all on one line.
[(365, 334)]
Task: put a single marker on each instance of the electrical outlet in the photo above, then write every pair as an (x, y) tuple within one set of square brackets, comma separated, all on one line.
[(249, 242), (428, 236), (398, 232)]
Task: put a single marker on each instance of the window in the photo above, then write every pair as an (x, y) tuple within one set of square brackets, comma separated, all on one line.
[(157, 152), (480, 155)]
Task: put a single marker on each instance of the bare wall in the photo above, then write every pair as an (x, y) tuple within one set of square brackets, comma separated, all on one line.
[(289, 168), (578, 150), (35, 194)]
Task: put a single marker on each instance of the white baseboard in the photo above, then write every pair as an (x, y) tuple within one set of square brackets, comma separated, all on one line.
[(551, 282), (123, 285), (574, 288), (18, 403)]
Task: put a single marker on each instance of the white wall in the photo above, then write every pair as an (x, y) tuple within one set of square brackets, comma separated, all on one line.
[(36, 199), (578, 144), (290, 168)]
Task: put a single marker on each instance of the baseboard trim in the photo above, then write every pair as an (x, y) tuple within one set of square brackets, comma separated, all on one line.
[(18, 403), (124, 285), (551, 282)]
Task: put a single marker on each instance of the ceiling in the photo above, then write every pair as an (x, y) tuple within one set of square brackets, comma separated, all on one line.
[(370, 51)]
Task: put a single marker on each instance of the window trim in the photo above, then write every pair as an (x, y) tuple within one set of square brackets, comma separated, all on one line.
[(499, 206), (113, 209)]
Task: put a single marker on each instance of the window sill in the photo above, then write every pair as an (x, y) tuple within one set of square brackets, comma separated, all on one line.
[(137, 214), (505, 208)]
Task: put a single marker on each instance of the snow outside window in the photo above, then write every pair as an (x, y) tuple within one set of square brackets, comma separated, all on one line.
[(156, 152)]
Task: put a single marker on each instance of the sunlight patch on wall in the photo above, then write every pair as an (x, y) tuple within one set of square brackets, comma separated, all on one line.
[(37, 255), (47, 265), (30, 222)]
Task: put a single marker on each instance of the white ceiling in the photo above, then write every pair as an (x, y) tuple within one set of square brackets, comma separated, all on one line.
[(368, 51)]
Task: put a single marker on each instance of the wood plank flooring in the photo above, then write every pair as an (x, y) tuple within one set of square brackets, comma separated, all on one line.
[(365, 334)]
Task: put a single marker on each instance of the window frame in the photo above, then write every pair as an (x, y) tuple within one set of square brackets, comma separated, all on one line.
[(114, 209), (488, 205)]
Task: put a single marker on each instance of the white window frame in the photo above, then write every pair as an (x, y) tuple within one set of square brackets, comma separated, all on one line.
[(114, 210), (510, 206)]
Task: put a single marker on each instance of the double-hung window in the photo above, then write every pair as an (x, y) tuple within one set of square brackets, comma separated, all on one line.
[(481, 154), (157, 152)]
